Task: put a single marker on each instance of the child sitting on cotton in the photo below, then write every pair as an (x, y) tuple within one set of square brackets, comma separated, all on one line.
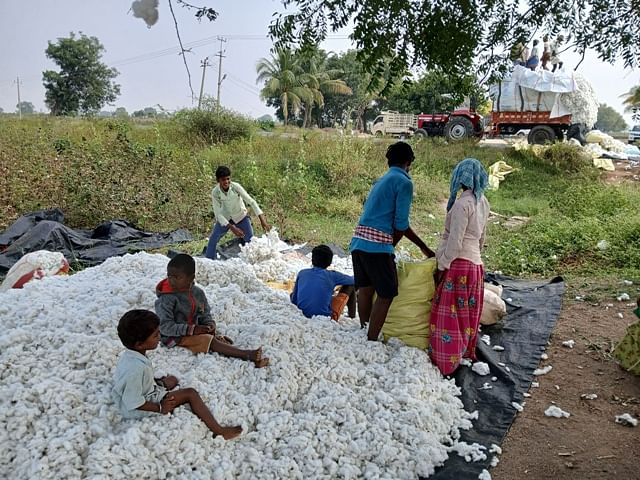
[(137, 393), (314, 287), (185, 316)]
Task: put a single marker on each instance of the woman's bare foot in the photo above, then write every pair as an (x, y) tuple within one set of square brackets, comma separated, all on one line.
[(229, 433), (259, 360)]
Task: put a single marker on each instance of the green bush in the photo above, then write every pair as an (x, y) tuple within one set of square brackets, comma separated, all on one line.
[(211, 127), (266, 124), (566, 157)]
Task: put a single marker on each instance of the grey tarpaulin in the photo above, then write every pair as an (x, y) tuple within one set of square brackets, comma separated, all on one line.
[(44, 230), (531, 315)]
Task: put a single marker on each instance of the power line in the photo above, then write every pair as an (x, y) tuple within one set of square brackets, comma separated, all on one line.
[(197, 44)]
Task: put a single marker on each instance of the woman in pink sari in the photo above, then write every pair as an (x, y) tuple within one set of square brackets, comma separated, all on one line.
[(457, 304)]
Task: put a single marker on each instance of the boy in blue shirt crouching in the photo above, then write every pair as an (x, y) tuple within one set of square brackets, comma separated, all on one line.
[(314, 287)]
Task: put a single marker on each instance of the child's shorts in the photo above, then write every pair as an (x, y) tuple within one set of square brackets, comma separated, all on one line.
[(159, 392), (196, 343)]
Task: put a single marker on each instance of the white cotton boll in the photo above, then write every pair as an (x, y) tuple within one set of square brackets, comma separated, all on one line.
[(542, 371), (484, 475), (544, 356), (498, 348), (465, 362), (497, 449), (481, 368), (494, 462), (471, 453), (517, 406), (569, 343), (623, 297), (589, 396), (556, 412), (627, 420), (486, 339), (535, 385)]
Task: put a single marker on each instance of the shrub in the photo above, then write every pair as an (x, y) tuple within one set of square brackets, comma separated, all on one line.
[(213, 127)]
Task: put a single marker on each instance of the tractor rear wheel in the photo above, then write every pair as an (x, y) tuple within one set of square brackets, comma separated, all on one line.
[(458, 128), (541, 134)]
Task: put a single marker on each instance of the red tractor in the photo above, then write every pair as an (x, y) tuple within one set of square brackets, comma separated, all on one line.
[(460, 124), (463, 122)]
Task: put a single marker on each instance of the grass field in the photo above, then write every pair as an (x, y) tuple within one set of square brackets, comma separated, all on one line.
[(312, 187)]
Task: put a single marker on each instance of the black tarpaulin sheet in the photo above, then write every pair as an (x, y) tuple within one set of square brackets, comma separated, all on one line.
[(532, 310), (45, 230)]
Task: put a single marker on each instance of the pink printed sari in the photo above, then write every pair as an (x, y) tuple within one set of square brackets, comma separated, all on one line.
[(455, 315)]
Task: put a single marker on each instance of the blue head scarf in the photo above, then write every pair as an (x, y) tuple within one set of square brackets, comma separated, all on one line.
[(470, 173)]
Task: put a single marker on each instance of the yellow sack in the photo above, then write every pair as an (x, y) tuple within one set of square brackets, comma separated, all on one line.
[(287, 285), (604, 164), (408, 317), (497, 172)]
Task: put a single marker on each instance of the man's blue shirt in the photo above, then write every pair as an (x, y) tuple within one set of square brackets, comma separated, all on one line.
[(386, 209), (313, 290)]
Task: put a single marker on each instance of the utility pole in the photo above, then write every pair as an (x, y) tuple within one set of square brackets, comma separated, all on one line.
[(204, 64), (220, 77), (19, 101)]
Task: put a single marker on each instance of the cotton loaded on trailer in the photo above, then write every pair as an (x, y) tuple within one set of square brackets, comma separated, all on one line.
[(552, 106)]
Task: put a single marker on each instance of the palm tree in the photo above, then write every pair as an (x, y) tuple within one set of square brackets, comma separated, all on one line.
[(320, 81), (281, 77), (632, 99)]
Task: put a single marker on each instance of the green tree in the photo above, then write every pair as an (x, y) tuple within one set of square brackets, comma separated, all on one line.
[(459, 36), (434, 91), (609, 120), (363, 105), (83, 84), (319, 80), (281, 76), (632, 102), (121, 112), (26, 108)]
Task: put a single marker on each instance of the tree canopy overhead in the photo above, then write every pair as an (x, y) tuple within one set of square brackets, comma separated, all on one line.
[(83, 84), (460, 36)]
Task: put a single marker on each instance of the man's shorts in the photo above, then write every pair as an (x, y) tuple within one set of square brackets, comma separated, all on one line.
[(196, 343), (377, 270)]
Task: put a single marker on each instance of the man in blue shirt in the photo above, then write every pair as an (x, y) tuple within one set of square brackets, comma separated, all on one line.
[(384, 221), (313, 291)]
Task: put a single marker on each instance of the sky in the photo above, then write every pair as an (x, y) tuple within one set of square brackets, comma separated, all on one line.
[(151, 71)]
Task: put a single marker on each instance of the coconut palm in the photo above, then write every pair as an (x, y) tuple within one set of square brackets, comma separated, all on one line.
[(632, 99), (281, 76), (320, 81)]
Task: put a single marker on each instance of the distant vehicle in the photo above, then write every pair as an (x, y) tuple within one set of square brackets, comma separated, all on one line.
[(634, 134), (460, 124)]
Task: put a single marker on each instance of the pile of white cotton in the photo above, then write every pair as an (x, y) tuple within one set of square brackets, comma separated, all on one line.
[(330, 405), (583, 102)]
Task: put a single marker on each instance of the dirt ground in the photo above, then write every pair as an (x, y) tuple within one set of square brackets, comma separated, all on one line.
[(588, 444)]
